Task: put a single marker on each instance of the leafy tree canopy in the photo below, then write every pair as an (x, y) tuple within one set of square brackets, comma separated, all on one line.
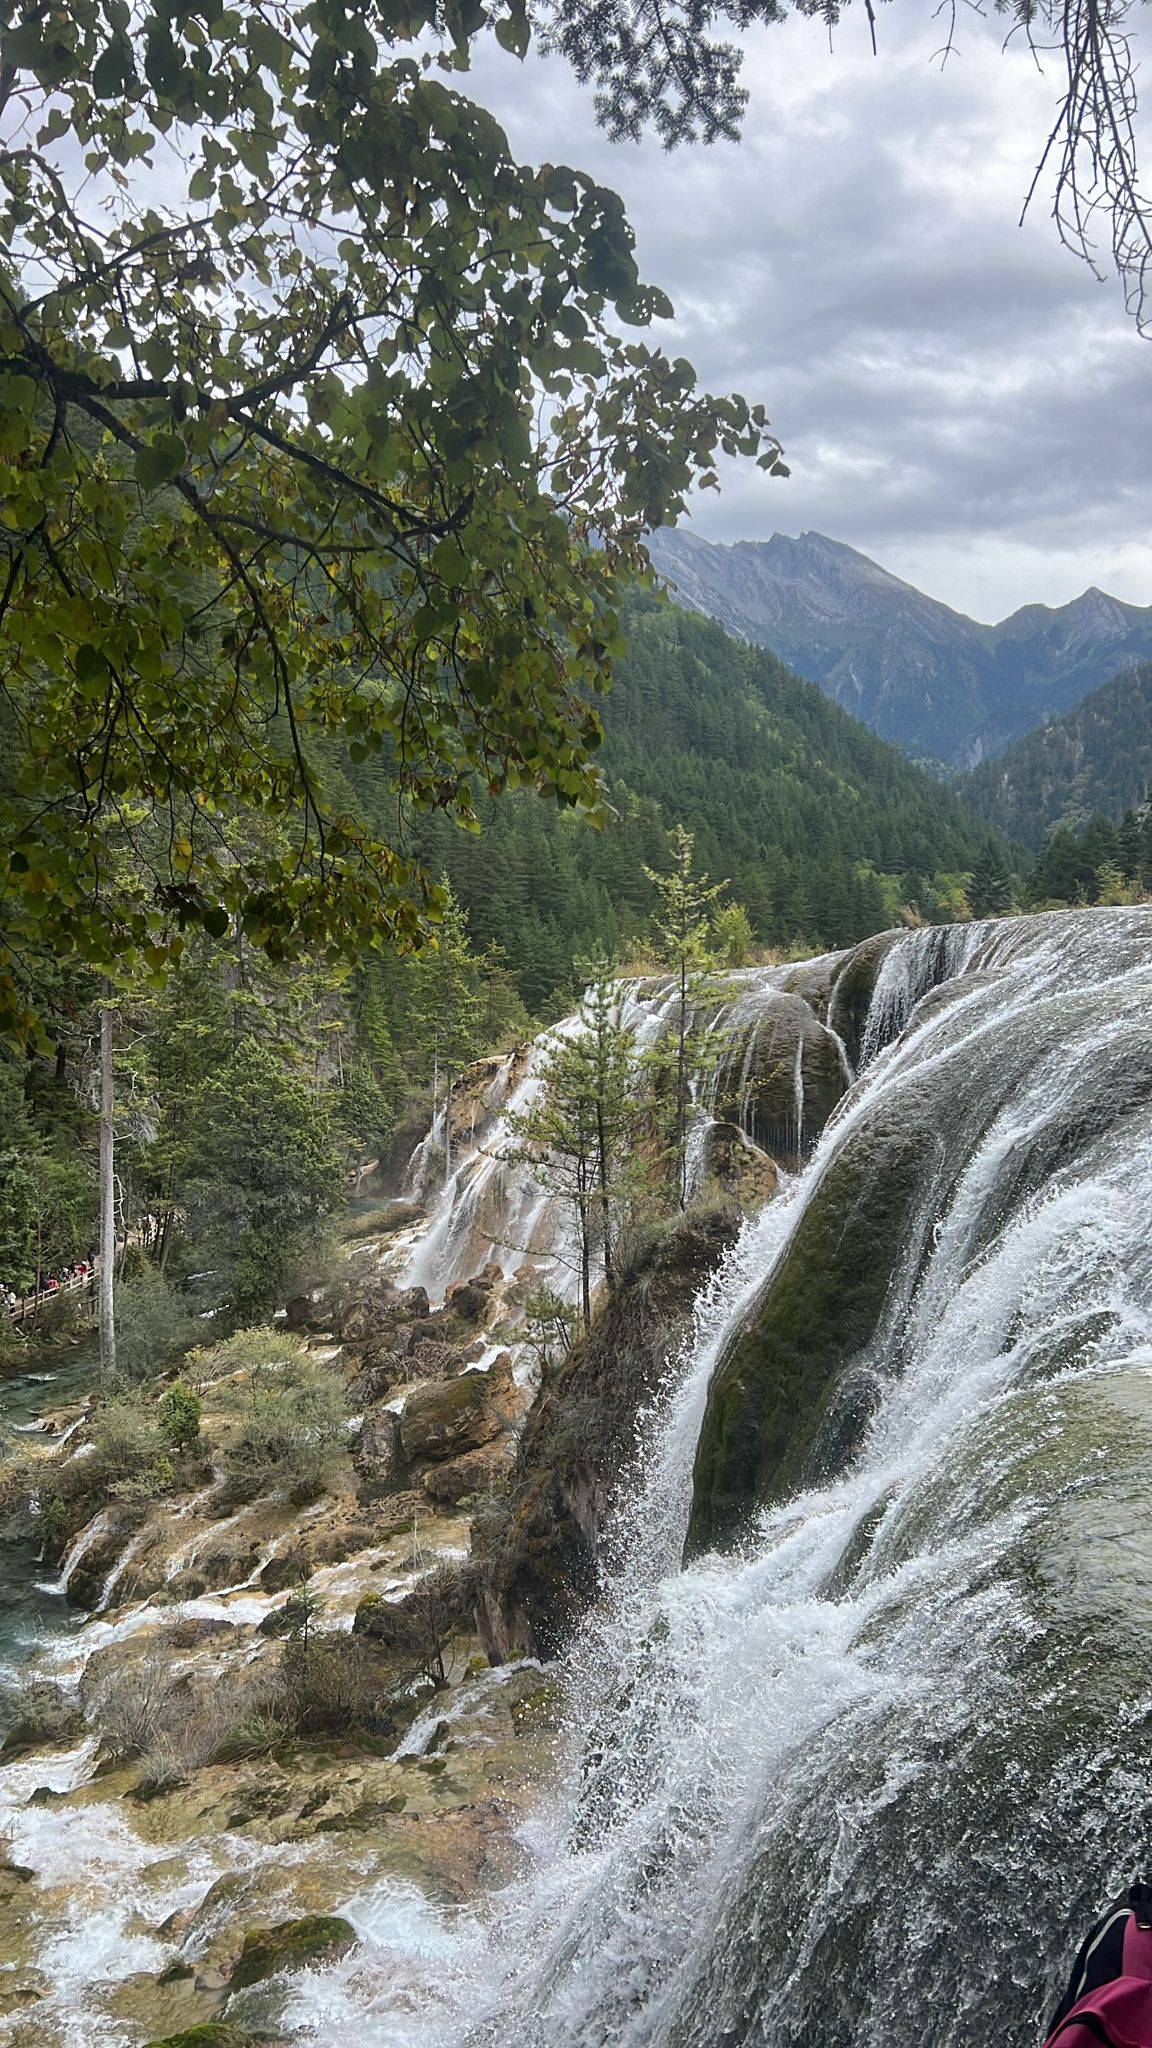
[(312, 403)]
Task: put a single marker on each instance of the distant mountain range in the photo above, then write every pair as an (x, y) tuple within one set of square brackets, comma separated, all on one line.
[(1096, 760), (946, 689)]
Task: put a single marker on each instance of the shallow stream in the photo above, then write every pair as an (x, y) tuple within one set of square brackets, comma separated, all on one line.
[(33, 1609)]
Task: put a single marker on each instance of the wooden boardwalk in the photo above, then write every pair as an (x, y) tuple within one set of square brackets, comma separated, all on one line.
[(28, 1304)]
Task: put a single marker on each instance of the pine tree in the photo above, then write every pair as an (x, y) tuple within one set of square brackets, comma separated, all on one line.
[(990, 887), (446, 1011), (681, 929), (576, 1134)]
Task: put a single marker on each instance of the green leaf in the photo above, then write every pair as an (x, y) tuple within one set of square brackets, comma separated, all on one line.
[(159, 461)]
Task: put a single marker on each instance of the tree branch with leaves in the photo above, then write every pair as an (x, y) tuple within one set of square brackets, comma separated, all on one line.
[(313, 403)]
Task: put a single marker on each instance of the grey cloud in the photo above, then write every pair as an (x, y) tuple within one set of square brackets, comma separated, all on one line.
[(957, 396)]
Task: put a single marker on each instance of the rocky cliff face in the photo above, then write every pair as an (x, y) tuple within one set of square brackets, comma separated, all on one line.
[(940, 685)]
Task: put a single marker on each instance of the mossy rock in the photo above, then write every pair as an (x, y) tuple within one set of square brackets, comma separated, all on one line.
[(210, 2034), (41, 1713), (854, 988), (292, 1945), (775, 1419), (536, 1552)]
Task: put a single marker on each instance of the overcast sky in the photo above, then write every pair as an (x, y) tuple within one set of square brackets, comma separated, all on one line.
[(956, 395)]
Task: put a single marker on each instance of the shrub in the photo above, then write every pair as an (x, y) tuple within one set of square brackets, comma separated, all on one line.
[(145, 1711), (291, 1439), (331, 1685), (420, 1628), (180, 1417), (127, 1436), (135, 1448), (134, 1707), (255, 1354), (153, 1326)]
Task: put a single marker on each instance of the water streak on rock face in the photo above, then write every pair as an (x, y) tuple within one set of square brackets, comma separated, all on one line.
[(775, 1066), (860, 1769)]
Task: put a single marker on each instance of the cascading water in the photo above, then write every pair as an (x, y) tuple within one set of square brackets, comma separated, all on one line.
[(768, 1054), (859, 1773)]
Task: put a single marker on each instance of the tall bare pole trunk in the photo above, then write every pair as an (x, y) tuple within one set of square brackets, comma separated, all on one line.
[(107, 1192)]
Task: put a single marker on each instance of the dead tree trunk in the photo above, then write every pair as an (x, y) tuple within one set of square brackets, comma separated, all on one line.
[(107, 1192)]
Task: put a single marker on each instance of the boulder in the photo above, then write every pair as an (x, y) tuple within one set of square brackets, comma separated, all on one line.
[(452, 1416), (375, 1378), (292, 1945), (469, 1302), (412, 1303), (364, 1315), (736, 1162), (378, 1454), (482, 1471), (39, 1713)]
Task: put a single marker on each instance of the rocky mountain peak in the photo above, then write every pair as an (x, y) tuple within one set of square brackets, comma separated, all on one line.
[(943, 686)]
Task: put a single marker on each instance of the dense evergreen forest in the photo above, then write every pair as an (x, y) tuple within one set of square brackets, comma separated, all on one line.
[(823, 832), (248, 1091), (1103, 863), (1095, 761)]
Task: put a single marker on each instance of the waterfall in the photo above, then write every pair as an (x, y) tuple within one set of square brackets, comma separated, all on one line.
[(759, 1037), (860, 1768)]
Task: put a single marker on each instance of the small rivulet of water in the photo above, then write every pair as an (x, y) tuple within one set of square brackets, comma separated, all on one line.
[(858, 1732)]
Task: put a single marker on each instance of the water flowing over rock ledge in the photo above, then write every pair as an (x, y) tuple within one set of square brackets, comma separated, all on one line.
[(898, 1419)]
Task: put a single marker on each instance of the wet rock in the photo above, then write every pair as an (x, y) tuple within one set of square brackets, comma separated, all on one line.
[(89, 1576), (40, 1712), (374, 1379), (482, 1471), (226, 1565), (21, 1990), (773, 1409), (458, 1415), (210, 2034), (379, 1454), (538, 1550), (470, 1301), (854, 988), (783, 1080), (737, 1163), (292, 1945)]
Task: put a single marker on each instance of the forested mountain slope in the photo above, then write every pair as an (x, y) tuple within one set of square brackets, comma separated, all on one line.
[(941, 686), (1095, 761), (822, 829)]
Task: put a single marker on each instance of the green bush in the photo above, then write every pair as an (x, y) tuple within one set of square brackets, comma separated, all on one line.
[(291, 1438), (153, 1326), (180, 1417), (254, 1353), (134, 1449)]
